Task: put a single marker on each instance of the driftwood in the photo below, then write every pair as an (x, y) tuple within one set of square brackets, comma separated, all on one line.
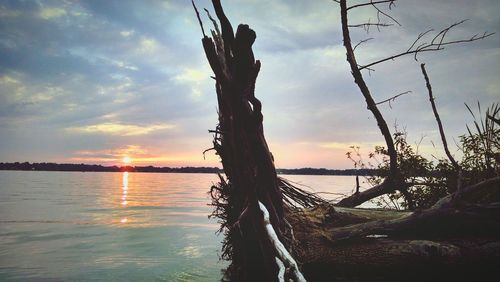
[(275, 231), (395, 180), (246, 159), (454, 240)]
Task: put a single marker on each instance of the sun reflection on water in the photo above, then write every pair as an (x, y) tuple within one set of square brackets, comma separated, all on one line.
[(146, 199), (124, 194), (124, 188)]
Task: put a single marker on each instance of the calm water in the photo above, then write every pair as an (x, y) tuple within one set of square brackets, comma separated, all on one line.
[(115, 226)]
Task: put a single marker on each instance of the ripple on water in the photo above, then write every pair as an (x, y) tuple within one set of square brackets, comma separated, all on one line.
[(107, 226)]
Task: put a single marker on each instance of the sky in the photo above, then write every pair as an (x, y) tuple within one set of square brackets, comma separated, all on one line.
[(97, 81)]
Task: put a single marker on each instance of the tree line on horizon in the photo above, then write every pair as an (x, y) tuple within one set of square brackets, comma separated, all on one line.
[(44, 166)]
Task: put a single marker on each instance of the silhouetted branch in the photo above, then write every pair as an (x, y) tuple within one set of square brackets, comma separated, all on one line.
[(358, 78), (371, 3), (214, 22), (422, 34), (227, 29), (198, 16), (207, 150), (361, 42), (379, 12), (365, 25), (393, 98), (438, 120), (437, 43)]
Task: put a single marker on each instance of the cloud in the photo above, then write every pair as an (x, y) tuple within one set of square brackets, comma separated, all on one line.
[(148, 45), (119, 129), (126, 33), (192, 76), (138, 154), (95, 75), (50, 13)]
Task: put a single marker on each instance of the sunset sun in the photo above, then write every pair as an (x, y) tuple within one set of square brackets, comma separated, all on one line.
[(127, 160)]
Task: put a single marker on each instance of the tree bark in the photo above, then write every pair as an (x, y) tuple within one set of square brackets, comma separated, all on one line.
[(248, 164), (438, 119), (358, 79), (394, 180), (331, 242), (453, 240), (448, 215)]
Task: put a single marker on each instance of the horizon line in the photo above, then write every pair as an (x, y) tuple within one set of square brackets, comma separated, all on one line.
[(130, 166)]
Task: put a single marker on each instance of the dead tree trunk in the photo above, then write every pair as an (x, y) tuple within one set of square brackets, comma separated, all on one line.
[(250, 204), (394, 181), (455, 240), (248, 164)]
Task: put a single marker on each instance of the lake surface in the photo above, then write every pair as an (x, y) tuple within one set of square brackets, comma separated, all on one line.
[(116, 226)]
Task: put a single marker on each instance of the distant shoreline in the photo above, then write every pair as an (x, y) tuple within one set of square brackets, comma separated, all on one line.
[(26, 166)]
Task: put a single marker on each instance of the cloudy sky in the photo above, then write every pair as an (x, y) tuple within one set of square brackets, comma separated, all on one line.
[(95, 81)]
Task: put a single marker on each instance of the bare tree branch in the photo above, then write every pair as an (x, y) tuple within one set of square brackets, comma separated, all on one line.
[(438, 42), (280, 249), (361, 42), (393, 98), (438, 120), (358, 78), (422, 34), (198, 16), (367, 26), (214, 22), (379, 12), (372, 3)]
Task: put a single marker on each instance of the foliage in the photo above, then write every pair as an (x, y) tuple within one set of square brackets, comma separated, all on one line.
[(481, 148), (430, 181)]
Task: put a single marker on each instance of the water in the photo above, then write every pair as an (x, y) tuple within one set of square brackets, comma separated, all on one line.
[(115, 226)]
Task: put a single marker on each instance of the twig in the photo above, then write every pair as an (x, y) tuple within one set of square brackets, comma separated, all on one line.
[(294, 196), (372, 3), (366, 26), (437, 43), (207, 150), (361, 42), (383, 13), (393, 98)]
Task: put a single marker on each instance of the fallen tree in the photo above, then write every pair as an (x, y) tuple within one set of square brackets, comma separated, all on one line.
[(396, 178), (275, 231), (453, 240)]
